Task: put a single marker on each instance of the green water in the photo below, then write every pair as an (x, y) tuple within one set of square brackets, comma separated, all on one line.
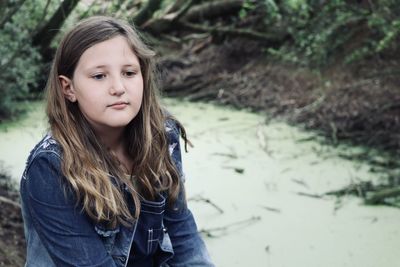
[(18, 138), (256, 175)]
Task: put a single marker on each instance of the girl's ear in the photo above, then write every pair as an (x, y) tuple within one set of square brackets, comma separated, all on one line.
[(67, 88)]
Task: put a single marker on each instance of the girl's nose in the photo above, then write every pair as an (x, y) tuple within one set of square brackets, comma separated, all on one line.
[(117, 87)]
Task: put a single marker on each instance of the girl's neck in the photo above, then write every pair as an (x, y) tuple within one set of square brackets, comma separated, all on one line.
[(114, 141)]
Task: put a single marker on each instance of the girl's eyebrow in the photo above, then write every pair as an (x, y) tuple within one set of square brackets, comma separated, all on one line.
[(96, 67), (105, 66), (131, 65)]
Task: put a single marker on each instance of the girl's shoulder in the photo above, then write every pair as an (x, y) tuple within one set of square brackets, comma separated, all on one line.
[(47, 147), (173, 130), (42, 181), (172, 126), (47, 144)]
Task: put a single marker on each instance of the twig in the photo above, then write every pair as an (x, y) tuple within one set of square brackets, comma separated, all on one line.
[(300, 182), (206, 200), (334, 132), (271, 209), (171, 38), (236, 169), (308, 195), (228, 155), (261, 138), (210, 232), (312, 106)]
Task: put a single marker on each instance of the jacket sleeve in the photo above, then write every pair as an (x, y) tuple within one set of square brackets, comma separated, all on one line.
[(65, 231), (189, 248)]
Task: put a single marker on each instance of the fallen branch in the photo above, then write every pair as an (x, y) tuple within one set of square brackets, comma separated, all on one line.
[(273, 39), (313, 106), (181, 12), (168, 21), (213, 10), (10, 202), (353, 189), (381, 195)]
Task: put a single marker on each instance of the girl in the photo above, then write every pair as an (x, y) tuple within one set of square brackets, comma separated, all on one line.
[(105, 185)]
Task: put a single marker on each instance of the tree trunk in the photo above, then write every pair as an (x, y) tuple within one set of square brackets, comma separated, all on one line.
[(45, 35)]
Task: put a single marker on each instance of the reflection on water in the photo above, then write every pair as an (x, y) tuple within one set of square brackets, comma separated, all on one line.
[(256, 189)]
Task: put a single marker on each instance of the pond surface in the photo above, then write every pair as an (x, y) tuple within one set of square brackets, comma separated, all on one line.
[(18, 138), (254, 188)]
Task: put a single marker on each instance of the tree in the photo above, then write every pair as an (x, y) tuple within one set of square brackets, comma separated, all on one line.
[(8, 9), (48, 31)]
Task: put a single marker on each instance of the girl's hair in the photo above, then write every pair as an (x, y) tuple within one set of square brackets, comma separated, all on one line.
[(94, 174)]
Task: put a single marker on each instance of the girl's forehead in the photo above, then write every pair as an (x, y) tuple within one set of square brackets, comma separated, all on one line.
[(116, 50), (115, 43)]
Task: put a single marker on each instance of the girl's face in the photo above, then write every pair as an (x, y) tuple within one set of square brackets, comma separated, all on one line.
[(107, 84)]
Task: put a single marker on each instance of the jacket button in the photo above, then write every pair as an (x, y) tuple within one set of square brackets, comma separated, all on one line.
[(123, 259), (165, 229)]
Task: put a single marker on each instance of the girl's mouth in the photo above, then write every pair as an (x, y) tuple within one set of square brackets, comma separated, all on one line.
[(118, 105)]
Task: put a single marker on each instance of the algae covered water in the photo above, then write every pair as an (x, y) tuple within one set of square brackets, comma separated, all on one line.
[(19, 137), (256, 191)]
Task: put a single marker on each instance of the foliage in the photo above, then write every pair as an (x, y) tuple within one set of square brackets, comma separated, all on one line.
[(20, 63), (326, 32)]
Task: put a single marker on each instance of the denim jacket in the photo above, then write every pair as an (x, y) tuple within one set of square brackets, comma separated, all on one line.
[(58, 233)]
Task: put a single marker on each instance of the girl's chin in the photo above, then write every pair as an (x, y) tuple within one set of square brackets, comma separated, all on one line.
[(119, 124)]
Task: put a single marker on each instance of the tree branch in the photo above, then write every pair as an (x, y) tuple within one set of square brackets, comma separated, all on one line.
[(146, 12), (273, 39), (213, 9)]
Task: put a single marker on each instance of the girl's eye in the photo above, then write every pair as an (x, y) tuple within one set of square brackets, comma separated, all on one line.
[(129, 73), (99, 76)]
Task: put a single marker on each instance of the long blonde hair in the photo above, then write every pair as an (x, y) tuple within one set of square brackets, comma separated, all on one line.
[(93, 173)]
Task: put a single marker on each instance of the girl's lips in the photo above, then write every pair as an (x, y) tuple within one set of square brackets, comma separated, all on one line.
[(118, 105)]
